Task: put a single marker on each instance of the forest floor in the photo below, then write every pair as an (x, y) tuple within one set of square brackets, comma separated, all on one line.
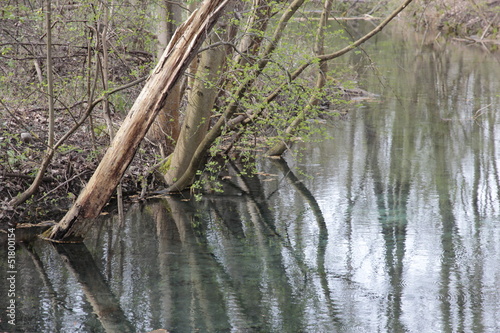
[(21, 154)]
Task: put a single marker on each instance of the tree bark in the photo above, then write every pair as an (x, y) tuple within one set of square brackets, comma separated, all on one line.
[(180, 51), (165, 129), (200, 104), (231, 108)]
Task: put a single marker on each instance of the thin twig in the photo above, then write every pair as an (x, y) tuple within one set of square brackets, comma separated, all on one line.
[(63, 183)]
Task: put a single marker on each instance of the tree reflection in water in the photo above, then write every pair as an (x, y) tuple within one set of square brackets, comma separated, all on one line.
[(396, 231)]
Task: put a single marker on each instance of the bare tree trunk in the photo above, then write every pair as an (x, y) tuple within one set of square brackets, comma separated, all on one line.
[(230, 109), (257, 23), (105, 68), (165, 129), (174, 61), (50, 79), (319, 48), (200, 104)]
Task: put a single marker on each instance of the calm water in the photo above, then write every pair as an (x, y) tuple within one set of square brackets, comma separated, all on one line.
[(392, 226)]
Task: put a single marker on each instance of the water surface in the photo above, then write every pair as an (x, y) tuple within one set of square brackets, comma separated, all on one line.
[(391, 226)]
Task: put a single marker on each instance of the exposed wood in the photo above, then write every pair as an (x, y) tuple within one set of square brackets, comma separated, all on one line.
[(177, 56)]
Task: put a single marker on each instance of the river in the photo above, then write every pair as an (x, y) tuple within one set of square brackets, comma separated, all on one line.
[(392, 225)]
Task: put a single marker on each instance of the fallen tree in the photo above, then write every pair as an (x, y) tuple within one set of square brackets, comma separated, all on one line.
[(253, 57), (176, 58)]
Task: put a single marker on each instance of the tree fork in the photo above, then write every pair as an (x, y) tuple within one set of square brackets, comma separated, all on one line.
[(185, 180), (226, 119), (176, 58)]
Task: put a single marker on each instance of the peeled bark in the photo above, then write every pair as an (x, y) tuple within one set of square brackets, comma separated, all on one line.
[(180, 51)]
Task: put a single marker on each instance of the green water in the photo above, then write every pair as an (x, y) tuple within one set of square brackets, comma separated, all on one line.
[(391, 226)]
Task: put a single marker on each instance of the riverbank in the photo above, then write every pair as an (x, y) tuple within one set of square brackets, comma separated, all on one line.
[(23, 137), (466, 21), (76, 160)]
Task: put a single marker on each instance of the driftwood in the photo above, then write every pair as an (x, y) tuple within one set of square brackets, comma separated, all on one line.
[(177, 56)]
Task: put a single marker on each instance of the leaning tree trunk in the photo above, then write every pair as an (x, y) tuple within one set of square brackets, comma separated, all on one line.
[(216, 130), (199, 108), (165, 129), (180, 51)]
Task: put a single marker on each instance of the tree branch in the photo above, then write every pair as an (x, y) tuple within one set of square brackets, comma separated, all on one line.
[(325, 58)]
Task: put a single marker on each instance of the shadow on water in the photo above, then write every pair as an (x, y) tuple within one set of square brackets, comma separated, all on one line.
[(214, 266), (397, 230), (104, 304)]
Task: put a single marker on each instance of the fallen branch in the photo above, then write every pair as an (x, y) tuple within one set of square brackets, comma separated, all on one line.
[(23, 176)]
